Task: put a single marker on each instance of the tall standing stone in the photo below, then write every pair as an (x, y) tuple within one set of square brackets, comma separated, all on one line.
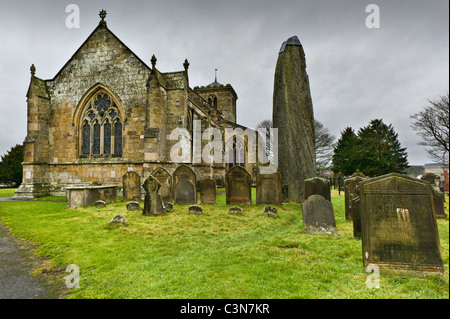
[(294, 118)]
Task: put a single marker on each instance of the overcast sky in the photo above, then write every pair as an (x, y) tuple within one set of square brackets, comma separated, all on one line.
[(356, 74)]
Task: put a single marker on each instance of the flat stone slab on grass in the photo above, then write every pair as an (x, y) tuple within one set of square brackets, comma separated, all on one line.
[(270, 211), (235, 211), (118, 219)]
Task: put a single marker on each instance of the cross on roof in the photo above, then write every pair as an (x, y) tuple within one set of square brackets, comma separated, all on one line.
[(102, 14)]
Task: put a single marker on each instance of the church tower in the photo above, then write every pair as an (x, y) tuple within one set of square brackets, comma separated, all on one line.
[(223, 97)]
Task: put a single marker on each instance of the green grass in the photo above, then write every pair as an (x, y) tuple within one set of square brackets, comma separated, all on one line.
[(215, 255), (7, 192)]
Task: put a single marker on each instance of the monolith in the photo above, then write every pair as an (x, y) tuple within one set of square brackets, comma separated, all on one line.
[(293, 117)]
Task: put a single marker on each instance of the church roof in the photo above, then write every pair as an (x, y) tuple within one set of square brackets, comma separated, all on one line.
[(102, 24)]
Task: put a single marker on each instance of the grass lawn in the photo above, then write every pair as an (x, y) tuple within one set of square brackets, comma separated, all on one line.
[(7, 192), (215, 255)]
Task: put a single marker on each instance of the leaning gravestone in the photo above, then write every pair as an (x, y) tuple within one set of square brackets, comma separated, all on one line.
[(350, 193), (293, 117), (317, 186), (318, 215), (268, 188), (238, 183), (165, 179), (399, 229), (131, 186), (207, 191), (184, 185), (152, 202), (439, 200), (438, 195), (356, 213)]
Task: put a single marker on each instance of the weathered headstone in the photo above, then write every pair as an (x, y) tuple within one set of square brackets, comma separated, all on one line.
[(317, 186), (100, 204), (238, 183), (294, 119), (268, 188), (207, 191), (350, 193), (356, 215), (118, 219), (318, 215), (152, 202), (133, 205), (195, 209), (431, 178), (131, 186), (399, 229), (438, 200), (169, 207), (270, 211), (165, 179), (235, 211), (185, 185)]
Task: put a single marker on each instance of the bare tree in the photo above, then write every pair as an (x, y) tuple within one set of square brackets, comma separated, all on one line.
[(432, 125), (324, 142)]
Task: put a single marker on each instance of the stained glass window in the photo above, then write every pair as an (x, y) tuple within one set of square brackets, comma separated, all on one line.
[(107, 138), (100, 113), (96, 144), (117, 138), (86, 148)]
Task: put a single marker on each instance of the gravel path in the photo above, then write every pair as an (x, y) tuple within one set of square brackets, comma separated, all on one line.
[(16, 264)]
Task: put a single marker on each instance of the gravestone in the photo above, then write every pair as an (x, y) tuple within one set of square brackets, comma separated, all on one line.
[(317, 186), (293, 117), (133, 205), (100, 204), (356, 215), (184, 185), (152, 202), (318, 215), (165, 179), (207, 191), (235, 211), (169, 207), (270, 211), (430, 177), (438, 200), (398, 225), (131, 186), (238, 184), (268, 188), (350, 193), (195, 209)]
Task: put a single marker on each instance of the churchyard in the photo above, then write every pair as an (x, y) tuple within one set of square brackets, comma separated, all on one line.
[(213, 255)]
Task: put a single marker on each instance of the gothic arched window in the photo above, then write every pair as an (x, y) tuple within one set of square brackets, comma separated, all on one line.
[(101, 127)]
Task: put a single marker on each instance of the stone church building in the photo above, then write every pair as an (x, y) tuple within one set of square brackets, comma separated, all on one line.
[(107, 112)]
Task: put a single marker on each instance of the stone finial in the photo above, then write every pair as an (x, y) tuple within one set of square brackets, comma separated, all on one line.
[(102, 15), (153, 60), (186, 64), (32, 69)]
